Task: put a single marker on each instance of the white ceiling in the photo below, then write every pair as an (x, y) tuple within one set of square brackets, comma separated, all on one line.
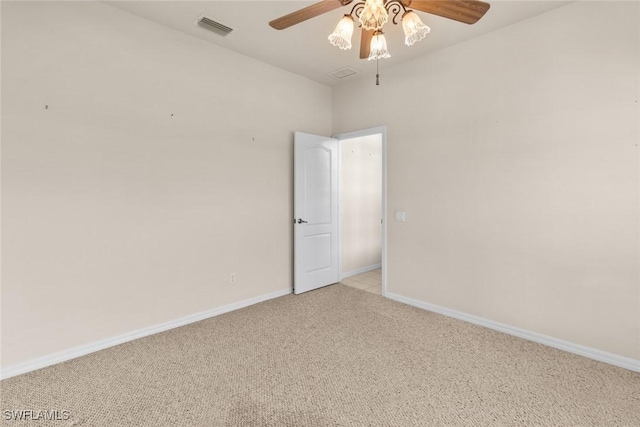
[(303, 49)]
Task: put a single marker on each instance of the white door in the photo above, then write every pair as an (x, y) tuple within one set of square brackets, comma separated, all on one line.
[(315, 212)]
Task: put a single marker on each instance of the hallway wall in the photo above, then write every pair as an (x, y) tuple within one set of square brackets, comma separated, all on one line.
[(361, 203)]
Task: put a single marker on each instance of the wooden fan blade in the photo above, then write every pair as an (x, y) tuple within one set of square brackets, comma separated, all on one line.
[(365, 43), (467, 11), (307, 13)]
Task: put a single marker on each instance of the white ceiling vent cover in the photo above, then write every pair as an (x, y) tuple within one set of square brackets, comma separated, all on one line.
[(213, 26), (343, 73)]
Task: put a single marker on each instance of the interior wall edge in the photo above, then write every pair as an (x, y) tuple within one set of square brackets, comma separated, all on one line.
[(360, 270), (83, 350), (581, 350)]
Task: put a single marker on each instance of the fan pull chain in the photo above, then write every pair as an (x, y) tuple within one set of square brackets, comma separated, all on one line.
[(377, 72)]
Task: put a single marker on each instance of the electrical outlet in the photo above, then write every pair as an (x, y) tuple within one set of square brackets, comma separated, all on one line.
[(232, 278)]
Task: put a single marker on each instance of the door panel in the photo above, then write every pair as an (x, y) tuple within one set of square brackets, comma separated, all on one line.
[(316, 261), (317, 187), (318, 251)]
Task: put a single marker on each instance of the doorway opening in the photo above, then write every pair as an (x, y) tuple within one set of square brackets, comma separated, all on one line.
[(362, 222), (317, 245)]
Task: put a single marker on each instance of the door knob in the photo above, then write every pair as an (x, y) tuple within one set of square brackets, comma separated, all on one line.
[(301, 221)]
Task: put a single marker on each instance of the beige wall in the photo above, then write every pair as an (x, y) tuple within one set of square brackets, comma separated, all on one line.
[(115, 216), (360, 202), (515, 156)]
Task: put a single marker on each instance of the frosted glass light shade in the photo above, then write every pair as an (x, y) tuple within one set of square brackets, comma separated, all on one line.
[(341, 36), (374, 15), (378, 47), (414, 29)]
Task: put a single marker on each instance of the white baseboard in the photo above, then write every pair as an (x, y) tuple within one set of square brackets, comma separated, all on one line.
[(63, 356), (591, 353), (360, 271)]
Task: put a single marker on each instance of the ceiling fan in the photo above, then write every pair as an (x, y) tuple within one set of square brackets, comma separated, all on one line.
[(372, 15)]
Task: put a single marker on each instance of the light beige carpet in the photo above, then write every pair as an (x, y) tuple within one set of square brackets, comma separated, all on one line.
[(337, 356)]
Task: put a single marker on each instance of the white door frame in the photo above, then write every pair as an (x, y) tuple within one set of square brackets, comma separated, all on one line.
[(380, 130)]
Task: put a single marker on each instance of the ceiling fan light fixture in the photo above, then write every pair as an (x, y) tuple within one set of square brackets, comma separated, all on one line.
[(341, 36), (378, 47), (414, 29), (374, 15)]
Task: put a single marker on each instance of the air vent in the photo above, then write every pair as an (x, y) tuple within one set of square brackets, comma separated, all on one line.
[(213, 26), (343, 73)]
